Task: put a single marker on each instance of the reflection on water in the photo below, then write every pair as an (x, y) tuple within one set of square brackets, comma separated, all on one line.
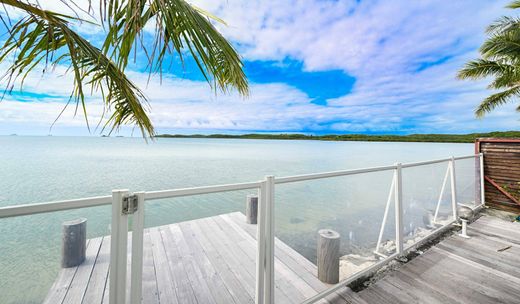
[(37, 169)]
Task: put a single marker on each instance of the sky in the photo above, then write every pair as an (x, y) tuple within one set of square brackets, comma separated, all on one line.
[(314, 66)]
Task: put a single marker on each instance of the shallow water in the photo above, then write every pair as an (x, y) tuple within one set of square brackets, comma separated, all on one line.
[(38, 169)]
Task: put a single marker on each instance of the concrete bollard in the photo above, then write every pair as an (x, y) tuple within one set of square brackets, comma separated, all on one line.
[(74, 242), (252, 209), (328, 256)]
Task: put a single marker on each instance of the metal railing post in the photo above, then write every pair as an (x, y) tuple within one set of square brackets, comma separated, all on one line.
[(118, 243), (441, 194), (453, 185), (385, 215), (260, 239), (136, 281), (398, 209), (482, 181), (269, 240)]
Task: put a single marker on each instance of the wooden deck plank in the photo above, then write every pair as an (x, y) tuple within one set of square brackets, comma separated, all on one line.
[(201, 287), (459, 270), (81, 280), (244, 248), (206, 273), (96, 285), (60, 287), (199, 243), (236, 259), (181, 283), (485, 219), (150, 290), (416, 286), (167, 292), (485, 283), (496, 231), (284, 291), (291, 260), (485, 254), (213, 260)]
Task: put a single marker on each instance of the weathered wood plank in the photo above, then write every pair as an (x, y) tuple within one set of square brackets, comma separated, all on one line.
[(237, 260), (288, 256), (81, 280), (180, 281), (60, 287), (201, 287), (199, 242), (213, 260), (96, 285), (458, 270), (167, 292), (284, 293), (208, 273), (150, 290)]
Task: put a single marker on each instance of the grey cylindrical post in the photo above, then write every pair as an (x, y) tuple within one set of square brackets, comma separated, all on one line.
[(328, 256), (252, 209), (74, 241)]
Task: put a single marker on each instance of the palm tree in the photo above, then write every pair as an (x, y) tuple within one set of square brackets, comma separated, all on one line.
[(500, 59), (47, 38)]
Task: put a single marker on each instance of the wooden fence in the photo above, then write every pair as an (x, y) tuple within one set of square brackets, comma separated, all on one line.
[(501, 172)]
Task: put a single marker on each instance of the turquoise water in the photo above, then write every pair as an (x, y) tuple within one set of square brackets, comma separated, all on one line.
[(38, 169)]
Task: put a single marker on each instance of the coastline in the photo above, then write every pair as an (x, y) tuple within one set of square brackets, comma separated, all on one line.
[(439, 138)]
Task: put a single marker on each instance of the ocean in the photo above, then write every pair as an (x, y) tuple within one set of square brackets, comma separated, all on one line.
[(40, 169)]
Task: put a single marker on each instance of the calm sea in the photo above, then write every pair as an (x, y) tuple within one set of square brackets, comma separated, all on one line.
[(39, 169)]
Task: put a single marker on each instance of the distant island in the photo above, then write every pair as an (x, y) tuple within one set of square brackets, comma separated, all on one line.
[(448, 138)]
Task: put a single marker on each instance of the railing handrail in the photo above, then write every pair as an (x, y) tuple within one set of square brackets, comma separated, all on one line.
[(52, 206), (123, 201)]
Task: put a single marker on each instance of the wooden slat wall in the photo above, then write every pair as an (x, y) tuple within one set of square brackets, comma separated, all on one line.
[(501, 164)]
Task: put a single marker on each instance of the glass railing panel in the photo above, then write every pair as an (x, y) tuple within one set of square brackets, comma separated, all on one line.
[(467, 172), (350, 208), (426, 200), (31, 255)]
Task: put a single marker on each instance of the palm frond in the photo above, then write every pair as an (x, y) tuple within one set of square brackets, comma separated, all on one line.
[(505, 45), (514, 5), (500, 59), (481, 68), (495, 100), (179, 28), (44, 37), (503, 25)]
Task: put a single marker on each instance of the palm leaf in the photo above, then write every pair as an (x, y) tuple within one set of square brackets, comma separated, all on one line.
[(46, 37), (500, 59), (495, 100), (179, 27), (515, 4), (481, 68)]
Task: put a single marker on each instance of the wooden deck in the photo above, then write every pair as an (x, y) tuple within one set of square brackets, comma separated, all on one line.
[(483, 269), (210, 260)]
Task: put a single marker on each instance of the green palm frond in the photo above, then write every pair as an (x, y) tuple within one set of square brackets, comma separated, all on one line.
[(47, 38), (179, 27), (500, 59), (495, 100), (503, 25), (44, 37), (480, 68), (514, 4), (505, 45)]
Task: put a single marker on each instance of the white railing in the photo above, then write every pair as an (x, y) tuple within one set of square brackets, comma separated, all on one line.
[(125, 203)]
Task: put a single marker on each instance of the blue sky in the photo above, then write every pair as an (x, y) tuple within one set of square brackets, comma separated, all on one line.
[(314, 66)]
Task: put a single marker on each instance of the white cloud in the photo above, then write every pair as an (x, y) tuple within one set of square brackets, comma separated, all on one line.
[(383, 44)]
